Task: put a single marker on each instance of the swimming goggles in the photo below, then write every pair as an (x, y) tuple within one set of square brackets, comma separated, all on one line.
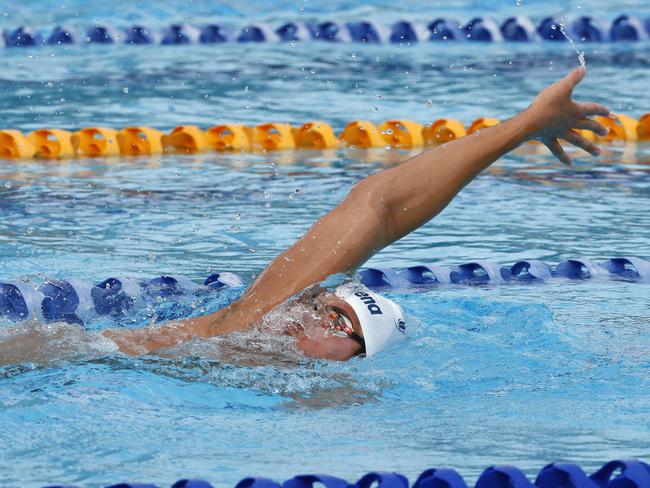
[(341, 326)]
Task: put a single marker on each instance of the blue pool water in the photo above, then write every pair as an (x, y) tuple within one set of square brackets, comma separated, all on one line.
[(514, 374)]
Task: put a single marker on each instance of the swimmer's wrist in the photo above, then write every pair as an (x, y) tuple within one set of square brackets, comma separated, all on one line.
[(529, 124)]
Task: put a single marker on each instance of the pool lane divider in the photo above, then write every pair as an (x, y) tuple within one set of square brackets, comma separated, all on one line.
[(614, 474), (79, 301), (627, 268), (519, 29), (403, 134)]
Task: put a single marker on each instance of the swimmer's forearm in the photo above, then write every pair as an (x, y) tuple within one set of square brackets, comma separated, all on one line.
[(419, 189)]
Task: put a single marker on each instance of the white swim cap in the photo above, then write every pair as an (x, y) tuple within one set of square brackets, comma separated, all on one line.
[(382, 320)]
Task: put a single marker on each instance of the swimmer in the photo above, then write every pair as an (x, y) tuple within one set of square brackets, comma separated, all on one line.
[(379, 210)]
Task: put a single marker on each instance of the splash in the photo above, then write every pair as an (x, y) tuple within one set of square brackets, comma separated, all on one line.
[(581, 54)]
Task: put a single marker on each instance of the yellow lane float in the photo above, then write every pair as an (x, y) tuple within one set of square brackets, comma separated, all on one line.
[(14, 145), (272, 137), (643, 129), (443, 130), (139, 141), (228, 137), (482, 123), (621, 128), (51, 143), (361, 134), (185, 139), (316, 135), (95, 141), (401, 134)]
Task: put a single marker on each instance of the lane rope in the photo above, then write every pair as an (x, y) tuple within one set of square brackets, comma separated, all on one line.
[(315, 135), (624, 28), (79, 301), (614, 474)]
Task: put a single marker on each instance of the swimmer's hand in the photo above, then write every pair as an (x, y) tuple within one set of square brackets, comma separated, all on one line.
[(136, 342), (553, 115)]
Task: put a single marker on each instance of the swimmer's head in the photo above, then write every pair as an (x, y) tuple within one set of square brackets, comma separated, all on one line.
[(351, 321), (381, 320)]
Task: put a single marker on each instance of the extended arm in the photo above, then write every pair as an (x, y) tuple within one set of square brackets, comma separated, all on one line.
[(385, 207)]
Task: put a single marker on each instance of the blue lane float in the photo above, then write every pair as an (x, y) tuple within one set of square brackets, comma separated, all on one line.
[(23, 37), (294, 31), (519, 29), (445, 29), (483, 29), (100, 34), (588, 29), (627, 28), (214, 34), (80, 301), (258, 33), (624, 28), (63, 35), (614, 474), (180, 34), (550, 29)]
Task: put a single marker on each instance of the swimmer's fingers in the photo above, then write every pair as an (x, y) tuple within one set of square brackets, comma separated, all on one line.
[(577, 140), (591, 108), (592, 125), (556, 148), (574, 77)]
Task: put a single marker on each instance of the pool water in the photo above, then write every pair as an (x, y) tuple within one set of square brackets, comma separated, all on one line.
[(515, 374)]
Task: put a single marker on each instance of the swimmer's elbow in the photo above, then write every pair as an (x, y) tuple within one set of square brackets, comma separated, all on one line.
[(370, 197)]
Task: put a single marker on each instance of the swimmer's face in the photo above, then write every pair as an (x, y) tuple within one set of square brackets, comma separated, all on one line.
[(319, 334)]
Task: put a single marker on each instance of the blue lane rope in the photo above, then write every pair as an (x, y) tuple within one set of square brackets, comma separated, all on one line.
[(79, 301), (627, 268), (614, 474), (624, 28)]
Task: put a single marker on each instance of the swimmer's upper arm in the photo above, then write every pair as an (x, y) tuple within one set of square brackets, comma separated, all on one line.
[(338, 242)]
